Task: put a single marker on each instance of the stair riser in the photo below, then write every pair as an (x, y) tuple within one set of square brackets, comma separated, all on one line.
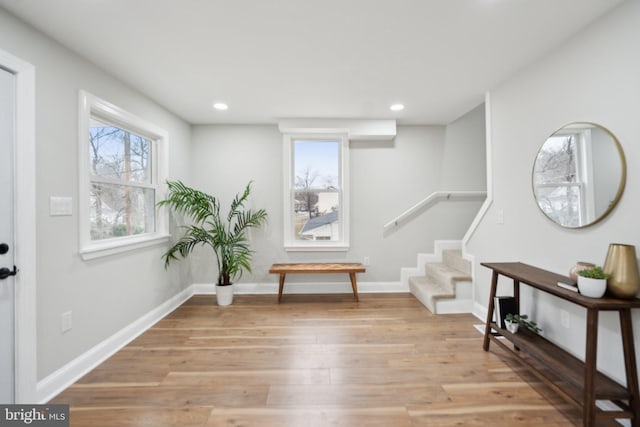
[(426, 300), (462, 302), (464, 290), (454, 260)]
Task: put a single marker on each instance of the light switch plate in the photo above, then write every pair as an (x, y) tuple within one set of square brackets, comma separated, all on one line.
[(67, 321), (60, 206)]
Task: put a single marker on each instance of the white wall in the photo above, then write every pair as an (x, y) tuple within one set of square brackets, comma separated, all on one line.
[(595, 77), (105, 294), (387, 177), (464, 167)]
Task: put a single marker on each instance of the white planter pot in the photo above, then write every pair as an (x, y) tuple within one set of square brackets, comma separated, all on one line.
[(224, 294), (512, 326), (594, 288)]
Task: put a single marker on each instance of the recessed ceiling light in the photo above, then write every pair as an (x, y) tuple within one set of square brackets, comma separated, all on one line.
[(397, 107), (220, 106)]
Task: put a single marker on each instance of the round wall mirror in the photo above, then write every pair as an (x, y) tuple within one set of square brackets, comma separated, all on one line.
[(579, 175)]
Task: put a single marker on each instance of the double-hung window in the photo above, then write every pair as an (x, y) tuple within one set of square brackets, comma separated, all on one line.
[(316, 202), (562, 176), (122, 167)]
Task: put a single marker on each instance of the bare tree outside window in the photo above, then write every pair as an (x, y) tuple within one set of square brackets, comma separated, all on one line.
[(121, 196), (557, 182), (316, 198), (305, 197)]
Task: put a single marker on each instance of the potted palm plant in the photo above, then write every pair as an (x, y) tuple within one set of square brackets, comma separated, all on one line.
[(225, 235)]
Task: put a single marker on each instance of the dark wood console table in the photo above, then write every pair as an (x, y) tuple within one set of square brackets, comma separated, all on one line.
[(576, 379)]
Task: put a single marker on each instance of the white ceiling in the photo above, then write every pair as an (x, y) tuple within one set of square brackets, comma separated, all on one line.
[(273, 59)]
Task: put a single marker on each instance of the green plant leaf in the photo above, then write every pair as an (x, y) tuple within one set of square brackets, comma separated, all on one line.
[(226, 238), (594, 273)]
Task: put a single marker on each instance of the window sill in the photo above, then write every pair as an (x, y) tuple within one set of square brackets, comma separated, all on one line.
[(112, 247), (317, 248)]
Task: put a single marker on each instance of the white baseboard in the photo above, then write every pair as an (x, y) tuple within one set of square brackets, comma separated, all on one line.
[(480, 311), (382, 287), (304, 288), (59, 380), (453, 306)]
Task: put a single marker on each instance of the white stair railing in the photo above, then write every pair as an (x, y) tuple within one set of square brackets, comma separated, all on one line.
[(437, 195)]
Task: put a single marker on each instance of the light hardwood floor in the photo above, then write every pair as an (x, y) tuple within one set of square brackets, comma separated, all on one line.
[(314, 360)]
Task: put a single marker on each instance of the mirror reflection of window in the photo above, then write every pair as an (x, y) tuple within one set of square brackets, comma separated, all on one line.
[(579, 175), (560, 178)]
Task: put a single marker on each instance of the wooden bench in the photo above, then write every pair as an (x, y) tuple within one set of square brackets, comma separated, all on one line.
[(318, 267)]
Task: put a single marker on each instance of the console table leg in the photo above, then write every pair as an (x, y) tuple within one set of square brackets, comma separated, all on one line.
[(626, 327), (492, 294), (589, 404), (281, 287)]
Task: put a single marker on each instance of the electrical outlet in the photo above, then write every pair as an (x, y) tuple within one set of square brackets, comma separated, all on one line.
[(500, 216), (367, 260), (565, 319), (66, 321)]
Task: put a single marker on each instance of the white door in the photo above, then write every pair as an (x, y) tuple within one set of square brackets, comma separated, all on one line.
[(7, 282)]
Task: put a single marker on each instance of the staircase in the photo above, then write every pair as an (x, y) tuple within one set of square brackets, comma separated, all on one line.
[(446, 285)]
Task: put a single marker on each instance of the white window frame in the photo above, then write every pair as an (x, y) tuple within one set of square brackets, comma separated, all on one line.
[(585, 167), (92, 106), (584, 174), (290, 242)]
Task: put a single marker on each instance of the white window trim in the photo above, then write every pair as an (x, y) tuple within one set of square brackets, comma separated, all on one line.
[(585, 169), (92, 105), (290, 243)]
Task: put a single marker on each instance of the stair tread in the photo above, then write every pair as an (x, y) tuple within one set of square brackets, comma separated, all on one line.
[(447, 268), (434, 289), (445, 273)]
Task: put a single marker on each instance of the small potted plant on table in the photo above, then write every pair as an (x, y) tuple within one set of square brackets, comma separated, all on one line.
[(592, 282), (513, 322)]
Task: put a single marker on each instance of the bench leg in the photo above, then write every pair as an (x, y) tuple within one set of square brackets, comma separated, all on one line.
[(282, 276), (354, 286)]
